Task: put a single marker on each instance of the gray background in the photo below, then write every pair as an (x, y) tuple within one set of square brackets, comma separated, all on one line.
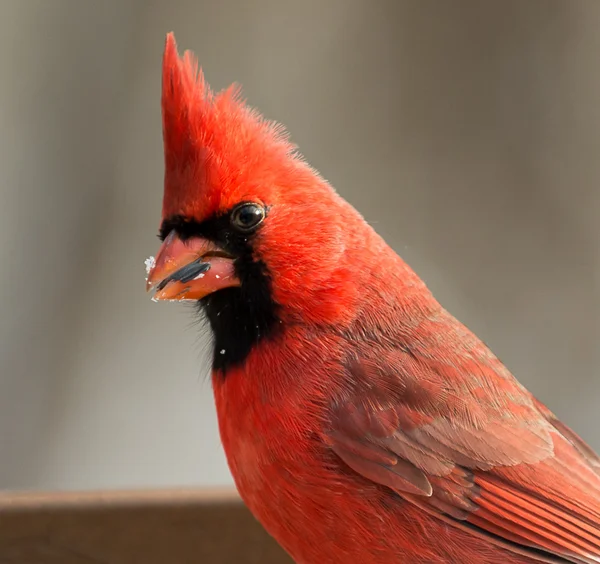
[(466, 132)]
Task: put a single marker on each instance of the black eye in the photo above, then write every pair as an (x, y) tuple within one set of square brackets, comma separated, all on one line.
[(247, 217)]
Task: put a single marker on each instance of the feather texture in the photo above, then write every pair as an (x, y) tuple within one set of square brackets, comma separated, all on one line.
[(452, 431), (370, 426)]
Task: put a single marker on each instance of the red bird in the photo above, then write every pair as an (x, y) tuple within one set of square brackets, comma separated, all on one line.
[(362, 422)]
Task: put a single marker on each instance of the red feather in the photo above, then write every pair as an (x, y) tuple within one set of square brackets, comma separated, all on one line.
[(371, 426), (454, 433), (430, 418)]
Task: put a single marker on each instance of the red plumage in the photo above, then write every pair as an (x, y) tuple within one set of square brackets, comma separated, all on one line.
[(371, 426)]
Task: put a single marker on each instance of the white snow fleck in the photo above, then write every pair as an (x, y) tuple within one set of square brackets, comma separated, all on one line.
[(217, 276), (149, 262), (222, 351)]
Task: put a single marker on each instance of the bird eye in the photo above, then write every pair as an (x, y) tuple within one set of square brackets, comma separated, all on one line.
[(247, 217)]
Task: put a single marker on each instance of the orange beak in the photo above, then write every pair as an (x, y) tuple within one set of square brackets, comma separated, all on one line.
[(189, 270)]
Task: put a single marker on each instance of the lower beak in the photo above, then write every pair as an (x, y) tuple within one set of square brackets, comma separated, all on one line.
[(189, 270)]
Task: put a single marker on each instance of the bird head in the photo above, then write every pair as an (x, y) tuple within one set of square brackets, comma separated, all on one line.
[(250, 231)]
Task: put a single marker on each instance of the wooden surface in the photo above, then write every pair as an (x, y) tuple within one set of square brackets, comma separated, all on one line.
[(155, 527)]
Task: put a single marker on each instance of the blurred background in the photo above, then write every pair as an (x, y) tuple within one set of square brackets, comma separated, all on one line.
[(467, 132)]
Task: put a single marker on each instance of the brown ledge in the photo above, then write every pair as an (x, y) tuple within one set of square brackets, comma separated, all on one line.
[(131, 527)]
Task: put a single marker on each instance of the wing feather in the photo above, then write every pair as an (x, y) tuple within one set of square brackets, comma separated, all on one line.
[(446, 426)]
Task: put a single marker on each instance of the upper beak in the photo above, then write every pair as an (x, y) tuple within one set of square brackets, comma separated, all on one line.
[(189, 270)]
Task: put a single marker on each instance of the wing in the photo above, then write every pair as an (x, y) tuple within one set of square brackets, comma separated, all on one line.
[(446, 426)]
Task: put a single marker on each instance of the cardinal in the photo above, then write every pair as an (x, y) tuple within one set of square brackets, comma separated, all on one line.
[(361, 421)]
